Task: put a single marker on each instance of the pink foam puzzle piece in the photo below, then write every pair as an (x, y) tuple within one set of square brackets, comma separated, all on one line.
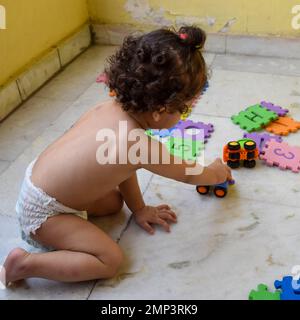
[(262, 138), (277, 109), (282, 155)]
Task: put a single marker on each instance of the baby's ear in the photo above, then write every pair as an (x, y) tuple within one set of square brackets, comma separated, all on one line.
[(156, 115)]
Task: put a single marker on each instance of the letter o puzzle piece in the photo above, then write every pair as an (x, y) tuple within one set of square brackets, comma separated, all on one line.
[(283, 126), (263, 293), (254, 118), (186, 149), (282, 155), (277, 109), (204, 133)]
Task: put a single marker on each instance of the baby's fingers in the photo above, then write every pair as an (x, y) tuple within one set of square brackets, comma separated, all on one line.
[(164, 224), (163, 206), (146, 226), (168, 215)]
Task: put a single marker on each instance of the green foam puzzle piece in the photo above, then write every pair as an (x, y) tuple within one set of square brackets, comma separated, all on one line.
[(262, 293), (149, 132), (254, 118), (186, 149)]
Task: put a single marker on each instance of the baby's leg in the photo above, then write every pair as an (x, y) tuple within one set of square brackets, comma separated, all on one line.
[(111, 203), (85, 252)]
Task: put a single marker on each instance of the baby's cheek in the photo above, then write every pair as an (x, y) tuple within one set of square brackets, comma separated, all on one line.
[(178, 117)]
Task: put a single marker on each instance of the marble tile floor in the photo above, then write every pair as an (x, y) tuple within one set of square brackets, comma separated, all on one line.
[(219, 249)]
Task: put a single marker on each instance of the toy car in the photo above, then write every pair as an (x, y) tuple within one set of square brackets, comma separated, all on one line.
[(219, 190), (241, 150)]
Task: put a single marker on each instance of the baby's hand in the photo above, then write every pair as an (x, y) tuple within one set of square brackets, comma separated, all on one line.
[(222, 170), (161, 215)]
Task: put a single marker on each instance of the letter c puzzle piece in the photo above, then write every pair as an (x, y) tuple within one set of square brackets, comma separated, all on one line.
[(282, 155), (186, 149)]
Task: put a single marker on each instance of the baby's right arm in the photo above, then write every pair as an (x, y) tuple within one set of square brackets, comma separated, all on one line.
[(177, 169)]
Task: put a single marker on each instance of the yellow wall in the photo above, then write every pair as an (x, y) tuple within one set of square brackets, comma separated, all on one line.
[(32, 27), (258, 17)]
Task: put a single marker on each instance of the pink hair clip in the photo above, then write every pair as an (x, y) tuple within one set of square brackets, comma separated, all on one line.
[(183, 36)]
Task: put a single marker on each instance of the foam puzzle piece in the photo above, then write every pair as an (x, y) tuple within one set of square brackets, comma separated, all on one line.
[(185, 115), (283, 126), (277, 109), (161, 133), (205, 130), (287, 291), (263, 293), (186, 149), (282, 155), (261, 139), (254, 118)]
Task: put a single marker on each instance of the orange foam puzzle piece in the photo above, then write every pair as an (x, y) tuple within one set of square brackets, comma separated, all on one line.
[(283, 126)]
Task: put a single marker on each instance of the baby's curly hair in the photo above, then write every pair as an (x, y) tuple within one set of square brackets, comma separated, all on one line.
[(160, 68)]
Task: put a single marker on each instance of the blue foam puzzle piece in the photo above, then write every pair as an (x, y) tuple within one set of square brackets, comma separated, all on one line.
[(288, 293)]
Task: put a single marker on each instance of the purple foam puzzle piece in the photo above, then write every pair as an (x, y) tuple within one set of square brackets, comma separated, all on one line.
[(188, 124), (277, 109), (262, 138)]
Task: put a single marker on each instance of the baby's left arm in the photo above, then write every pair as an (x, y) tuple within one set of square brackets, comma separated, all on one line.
[(144, 215)]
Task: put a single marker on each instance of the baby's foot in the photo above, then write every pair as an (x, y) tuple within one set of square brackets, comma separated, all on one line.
[(14, 266)]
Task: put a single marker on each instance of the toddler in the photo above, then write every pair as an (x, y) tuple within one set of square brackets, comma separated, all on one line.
[(154, 77)]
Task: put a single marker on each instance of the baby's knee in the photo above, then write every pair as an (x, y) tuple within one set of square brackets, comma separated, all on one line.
[(113, 261)]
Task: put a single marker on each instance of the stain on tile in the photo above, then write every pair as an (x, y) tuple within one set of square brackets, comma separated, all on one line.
[(290, 216), (217, 235), (254, 216), (159, 195), (250, 227), (179, 265), (295, 105), (271, 261), (114, 282), (295, 93)]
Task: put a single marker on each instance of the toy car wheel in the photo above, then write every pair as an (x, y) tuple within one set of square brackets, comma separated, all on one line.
[(233, 146), (250, 145), (234, 155), (202, 190), (249, 164), (233, 164), (251, 155), (220, 192)]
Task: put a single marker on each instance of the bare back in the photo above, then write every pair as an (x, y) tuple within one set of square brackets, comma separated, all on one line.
[(68, 169)]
